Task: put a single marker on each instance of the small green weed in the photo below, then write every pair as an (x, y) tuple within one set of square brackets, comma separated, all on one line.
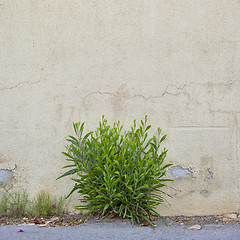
[(44, 205), (118, 173), (14, 204), (18, 204)]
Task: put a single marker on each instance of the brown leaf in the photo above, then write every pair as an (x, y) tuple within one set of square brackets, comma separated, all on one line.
[(195, 227)]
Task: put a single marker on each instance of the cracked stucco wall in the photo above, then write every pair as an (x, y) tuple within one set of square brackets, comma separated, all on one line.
[(176, 61)]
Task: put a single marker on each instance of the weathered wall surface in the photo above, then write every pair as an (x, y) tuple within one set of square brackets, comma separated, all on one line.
[(176, 61)]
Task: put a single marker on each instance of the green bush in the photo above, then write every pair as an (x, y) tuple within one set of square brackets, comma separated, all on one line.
[(119, 173)]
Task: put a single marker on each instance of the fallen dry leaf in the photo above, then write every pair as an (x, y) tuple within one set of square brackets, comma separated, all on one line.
[(144, 224), (53, 219), (232, 216), (197, 227), (42, 225)]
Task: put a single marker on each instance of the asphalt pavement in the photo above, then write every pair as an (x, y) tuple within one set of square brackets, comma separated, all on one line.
[(121, 230)]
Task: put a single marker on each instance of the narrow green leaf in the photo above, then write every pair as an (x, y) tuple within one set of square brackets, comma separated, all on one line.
[(70, 172)]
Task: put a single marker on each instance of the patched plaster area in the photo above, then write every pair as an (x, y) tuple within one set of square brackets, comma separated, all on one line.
[(5, 177), (177, 172)]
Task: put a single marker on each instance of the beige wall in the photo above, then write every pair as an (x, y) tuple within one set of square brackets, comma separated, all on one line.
[(178, 61)]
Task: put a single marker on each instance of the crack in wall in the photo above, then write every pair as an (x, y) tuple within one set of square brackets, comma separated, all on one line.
[(19, 84), (210, 175), (200, 127), (178, 91), (172, 90), (23, 83), (221, 111), (167, 91), (212, 84), (97, 92)]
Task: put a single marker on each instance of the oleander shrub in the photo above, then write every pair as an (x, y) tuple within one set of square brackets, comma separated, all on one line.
[(119, 173)]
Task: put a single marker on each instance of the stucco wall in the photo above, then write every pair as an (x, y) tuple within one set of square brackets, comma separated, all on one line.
[(178, 61)]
